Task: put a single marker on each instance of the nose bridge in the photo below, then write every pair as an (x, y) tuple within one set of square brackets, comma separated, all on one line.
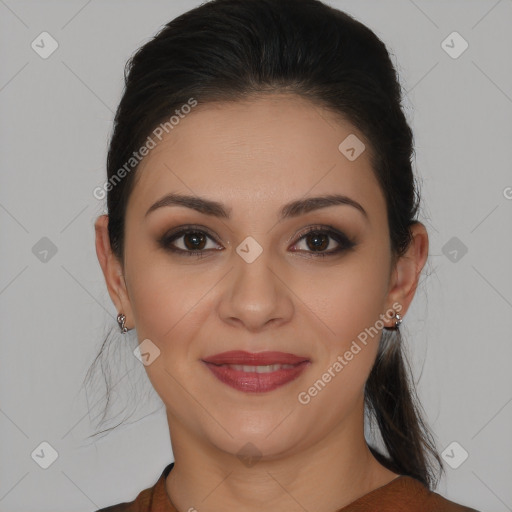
[(255, 296), (253, 280)]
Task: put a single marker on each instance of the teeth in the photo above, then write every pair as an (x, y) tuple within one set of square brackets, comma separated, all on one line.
[(259, 369)]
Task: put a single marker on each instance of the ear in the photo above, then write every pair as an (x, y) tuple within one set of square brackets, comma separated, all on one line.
[(407, 271), (112, 270)]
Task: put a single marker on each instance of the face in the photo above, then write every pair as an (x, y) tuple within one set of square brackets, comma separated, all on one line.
[(245, 274)]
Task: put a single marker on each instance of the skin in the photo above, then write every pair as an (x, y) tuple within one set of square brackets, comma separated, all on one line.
[(254, 156)]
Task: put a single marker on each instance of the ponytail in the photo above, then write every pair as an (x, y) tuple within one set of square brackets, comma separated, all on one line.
[(392, 403)]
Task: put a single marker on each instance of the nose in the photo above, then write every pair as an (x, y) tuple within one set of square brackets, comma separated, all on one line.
[(256, 295)]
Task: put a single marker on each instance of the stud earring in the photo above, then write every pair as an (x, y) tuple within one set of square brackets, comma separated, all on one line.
[(398, 321)]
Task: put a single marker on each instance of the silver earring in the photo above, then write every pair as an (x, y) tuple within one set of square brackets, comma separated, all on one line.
[(398, 321), (121, 320)]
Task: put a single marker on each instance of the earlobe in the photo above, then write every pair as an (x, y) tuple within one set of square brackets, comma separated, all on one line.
[(408, 269), (112, 269)]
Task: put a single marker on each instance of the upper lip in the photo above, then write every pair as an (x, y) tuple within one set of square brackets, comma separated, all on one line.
[(254, 358)]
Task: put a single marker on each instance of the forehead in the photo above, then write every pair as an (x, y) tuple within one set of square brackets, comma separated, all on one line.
[(273, 147)]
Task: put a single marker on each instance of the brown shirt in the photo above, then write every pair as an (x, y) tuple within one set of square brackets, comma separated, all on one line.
[(403, 494)]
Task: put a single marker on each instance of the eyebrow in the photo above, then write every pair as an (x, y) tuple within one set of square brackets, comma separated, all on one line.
[(289, 210)]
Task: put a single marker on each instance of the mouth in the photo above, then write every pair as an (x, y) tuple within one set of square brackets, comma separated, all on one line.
[(256, 372)]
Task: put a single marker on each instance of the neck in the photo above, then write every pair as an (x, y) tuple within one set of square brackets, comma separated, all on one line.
[(325, 476)]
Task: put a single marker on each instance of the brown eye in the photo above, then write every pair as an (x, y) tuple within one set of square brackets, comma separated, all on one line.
[(188, 242), (317, 239), (194, 240)]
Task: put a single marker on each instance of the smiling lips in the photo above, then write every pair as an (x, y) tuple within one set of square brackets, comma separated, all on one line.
[(256, 372)]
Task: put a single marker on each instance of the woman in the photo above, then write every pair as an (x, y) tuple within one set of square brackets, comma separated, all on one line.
[(262, 240)]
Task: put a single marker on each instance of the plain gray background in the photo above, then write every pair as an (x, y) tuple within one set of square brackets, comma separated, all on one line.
[(56, 115)]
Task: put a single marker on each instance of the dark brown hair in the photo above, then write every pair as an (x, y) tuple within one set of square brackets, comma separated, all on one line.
[(228, 50)]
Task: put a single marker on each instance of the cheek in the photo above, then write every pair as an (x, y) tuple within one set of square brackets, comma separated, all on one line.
[(352, 313), (172, 306), (169, 308), (163, 294), (348, 299)]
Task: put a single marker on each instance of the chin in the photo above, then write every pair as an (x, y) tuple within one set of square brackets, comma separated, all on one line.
[(262, 438)]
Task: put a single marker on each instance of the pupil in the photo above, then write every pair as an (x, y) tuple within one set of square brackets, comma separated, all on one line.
[(196, 238), (319, 241)]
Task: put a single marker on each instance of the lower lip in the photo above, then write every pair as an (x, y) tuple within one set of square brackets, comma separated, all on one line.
[(252, 382)]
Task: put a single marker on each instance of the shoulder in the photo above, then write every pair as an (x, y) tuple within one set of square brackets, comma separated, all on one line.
[(140, 504), (405, 494), (148, 500)]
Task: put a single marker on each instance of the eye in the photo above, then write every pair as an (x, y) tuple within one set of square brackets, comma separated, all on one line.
[(193, 241), (319, 238), (188, 242)]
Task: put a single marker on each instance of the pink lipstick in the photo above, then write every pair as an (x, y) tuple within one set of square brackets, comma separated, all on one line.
[(256, 372)]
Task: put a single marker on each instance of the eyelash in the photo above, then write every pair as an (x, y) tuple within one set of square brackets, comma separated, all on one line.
[(345, 244)]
